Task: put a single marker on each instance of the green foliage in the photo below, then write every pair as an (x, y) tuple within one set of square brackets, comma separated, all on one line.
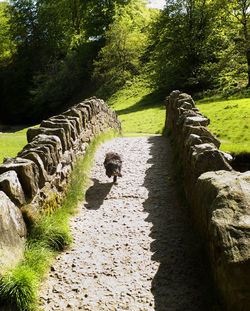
[(186, 40), (54, 88), (199, 45), (126, 42), (230, 121), (37, 257), (99, 15), (53, 54), (7, 47), (237, 28), (51, 203), (47, 50)]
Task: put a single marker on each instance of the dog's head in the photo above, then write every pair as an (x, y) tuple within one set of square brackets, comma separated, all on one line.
[(113, 168)]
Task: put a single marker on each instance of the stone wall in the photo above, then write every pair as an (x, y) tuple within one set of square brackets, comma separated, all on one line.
[(43, 168), (219, 198)]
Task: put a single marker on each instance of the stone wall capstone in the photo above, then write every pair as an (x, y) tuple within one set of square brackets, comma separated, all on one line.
[(219, 198), (43, 168)]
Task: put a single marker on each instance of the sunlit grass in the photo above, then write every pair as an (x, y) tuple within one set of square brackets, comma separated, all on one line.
[(230, 122), (149, 121), (12, 143), (139, 107)]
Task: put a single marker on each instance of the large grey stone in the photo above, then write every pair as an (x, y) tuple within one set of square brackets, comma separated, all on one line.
[(60, 124), (10, 185), (206, 157), (45, 153), (203, 132), (193, 139), (67, 120), (86, 110), (59, 132), (12, 233), (35, 157), (196, 121), (75, 114), (54, 141), (27, 172), (221, 205)]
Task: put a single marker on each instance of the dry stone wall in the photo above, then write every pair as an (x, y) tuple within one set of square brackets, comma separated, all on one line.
[(219, 198), (42, 170)]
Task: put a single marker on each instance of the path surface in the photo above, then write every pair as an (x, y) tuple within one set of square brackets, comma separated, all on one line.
[(134, 248)]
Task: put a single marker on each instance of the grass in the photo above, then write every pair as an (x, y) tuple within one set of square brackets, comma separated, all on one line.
[(230, 122), (139, 107), (12, 143), (47, 235)]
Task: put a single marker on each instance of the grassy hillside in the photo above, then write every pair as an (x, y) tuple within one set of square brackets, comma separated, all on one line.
[(229, 121), (139, 107), (141, 110)]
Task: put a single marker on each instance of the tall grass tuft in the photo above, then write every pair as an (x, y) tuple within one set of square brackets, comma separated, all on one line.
[(46, 237), (51, 232), (19, 288)]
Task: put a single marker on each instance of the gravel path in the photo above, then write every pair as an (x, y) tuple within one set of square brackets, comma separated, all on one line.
[(134, 248)]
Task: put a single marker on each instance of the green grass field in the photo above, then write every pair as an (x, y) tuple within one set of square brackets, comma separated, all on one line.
[(229, 121), (12, 143), (139, 107)]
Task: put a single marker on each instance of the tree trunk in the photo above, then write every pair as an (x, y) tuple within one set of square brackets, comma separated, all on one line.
[(248, 67), (244, 21)]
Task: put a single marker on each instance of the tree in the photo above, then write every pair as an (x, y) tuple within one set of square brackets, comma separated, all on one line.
[(126, 42), (237, 18), (7, 47), (53, 55), (99, 15), (187, 41)]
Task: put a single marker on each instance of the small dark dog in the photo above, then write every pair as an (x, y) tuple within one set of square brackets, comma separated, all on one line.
[(113, 165)]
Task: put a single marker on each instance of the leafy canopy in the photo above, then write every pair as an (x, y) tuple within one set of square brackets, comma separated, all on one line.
[(126, 42)]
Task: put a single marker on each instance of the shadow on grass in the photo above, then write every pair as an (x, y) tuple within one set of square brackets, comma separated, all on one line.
[(12, 128), (152, 100)]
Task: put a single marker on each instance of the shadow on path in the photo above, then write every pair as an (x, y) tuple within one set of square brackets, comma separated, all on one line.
[(182, 282), (96, 194)]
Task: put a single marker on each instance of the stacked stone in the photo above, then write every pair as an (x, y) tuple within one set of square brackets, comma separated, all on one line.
[(45, 164), (219, 198)]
